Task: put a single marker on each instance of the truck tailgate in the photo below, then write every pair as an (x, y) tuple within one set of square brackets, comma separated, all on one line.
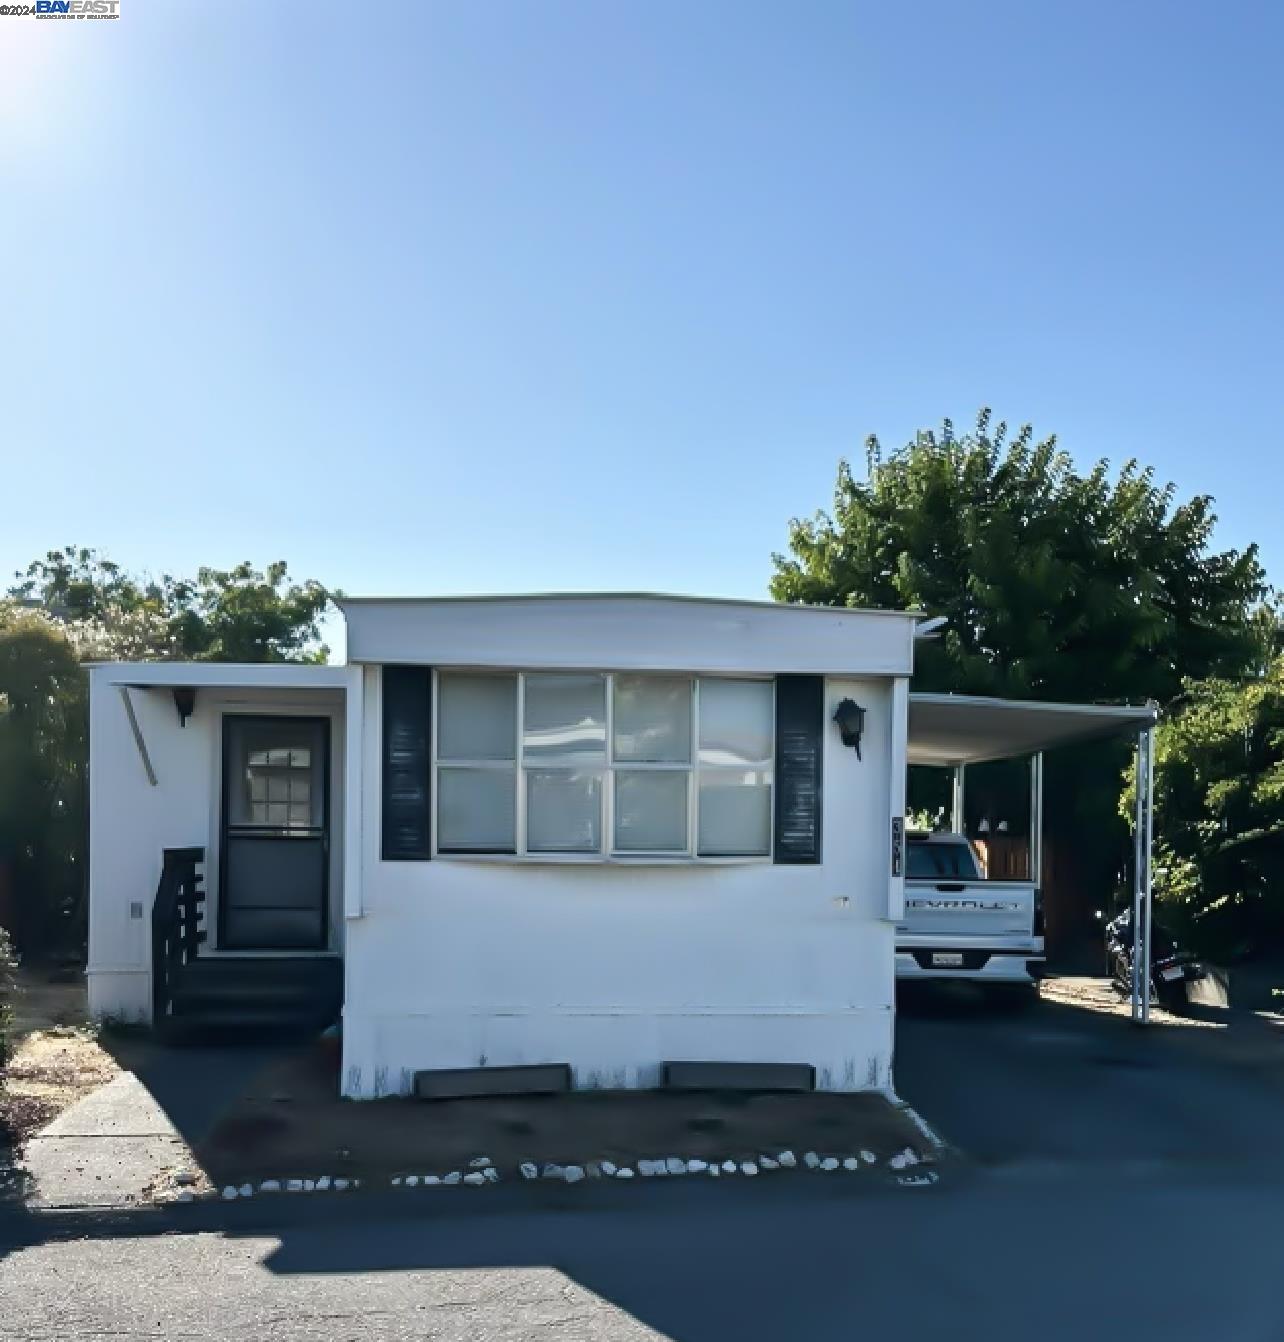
[(982, 910)]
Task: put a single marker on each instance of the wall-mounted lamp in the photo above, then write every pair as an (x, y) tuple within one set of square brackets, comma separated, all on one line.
[(185, 702), (850, 717)]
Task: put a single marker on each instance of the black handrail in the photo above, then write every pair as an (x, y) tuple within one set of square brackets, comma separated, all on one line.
[(178, 913)]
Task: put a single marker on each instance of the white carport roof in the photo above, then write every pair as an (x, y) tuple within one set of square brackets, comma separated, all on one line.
[(950, 729)]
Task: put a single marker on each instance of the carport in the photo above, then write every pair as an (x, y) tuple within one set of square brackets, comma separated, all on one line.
[(951, 731)]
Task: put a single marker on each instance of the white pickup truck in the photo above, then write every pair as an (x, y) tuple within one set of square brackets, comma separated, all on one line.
[(959, 925)]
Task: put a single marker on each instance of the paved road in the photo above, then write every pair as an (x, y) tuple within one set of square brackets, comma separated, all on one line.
[(1119, 1179)]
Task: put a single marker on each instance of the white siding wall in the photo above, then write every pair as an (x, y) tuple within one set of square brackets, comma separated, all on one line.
[(131, 821), (618, 968)]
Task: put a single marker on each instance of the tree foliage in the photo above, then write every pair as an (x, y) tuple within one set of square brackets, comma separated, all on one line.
[(1219, 812), (73, 606), (222, 615), (43, 756), (1056, 584)]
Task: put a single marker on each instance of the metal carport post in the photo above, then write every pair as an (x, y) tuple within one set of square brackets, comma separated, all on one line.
[(1143, 846)]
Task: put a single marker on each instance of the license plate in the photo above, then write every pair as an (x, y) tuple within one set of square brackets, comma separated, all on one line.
[(1171, 973), (947, 959)]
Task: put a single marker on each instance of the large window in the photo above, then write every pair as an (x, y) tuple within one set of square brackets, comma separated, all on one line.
[(590, 765)]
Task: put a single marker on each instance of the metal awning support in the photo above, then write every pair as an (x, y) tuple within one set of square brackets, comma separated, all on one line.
[(956, 798), (1143, 846), (1036, 821)]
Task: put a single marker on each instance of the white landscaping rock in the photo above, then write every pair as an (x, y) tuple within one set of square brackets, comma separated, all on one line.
[(851, 1163), (270, 1186), (869, 1157), (229, 1194), (246, 1190), (185, 1195), (411, 1181), (715, 1171), (323, 1184), (396, 1181), (787, 1160), (476, 1179), (829, 1164), (608, 1168), (340, 1185), (529, 1169), (552, 1171), (479, 1162), (767, 1163), (430, 1180), (490, 1174), (294, 1185), (697, 1166), (647, 1168), (811, 1160), (675, 1166), (749, 1168), (573, 1174), (452, 1178), (728, 1167), (624, 1173)]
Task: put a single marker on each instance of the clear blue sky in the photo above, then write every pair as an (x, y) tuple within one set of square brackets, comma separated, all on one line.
[(443, 297)]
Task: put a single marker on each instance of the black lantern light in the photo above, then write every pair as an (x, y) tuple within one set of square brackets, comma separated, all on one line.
[(850, 717), (185, 702)]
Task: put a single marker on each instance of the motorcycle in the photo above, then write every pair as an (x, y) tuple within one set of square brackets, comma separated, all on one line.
[(1171, 967)]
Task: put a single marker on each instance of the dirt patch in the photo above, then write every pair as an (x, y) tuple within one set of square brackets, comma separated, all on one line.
[(292, 1124), (58, 1059)]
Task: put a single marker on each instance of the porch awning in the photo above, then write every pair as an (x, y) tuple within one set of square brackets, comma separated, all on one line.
[(950, 729)]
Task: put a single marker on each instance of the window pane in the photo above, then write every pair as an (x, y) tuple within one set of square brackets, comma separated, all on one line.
[(653, 719), (737, 721), (563, 811), (476, 810), (565, 718), (272, 765), (735, 813), (477, 717), (651, 810)]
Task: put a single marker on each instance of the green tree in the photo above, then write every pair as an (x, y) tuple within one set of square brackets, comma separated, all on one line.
[(1056, 584), (43, 754), (1219, 812), (75, 605), (222, 615)]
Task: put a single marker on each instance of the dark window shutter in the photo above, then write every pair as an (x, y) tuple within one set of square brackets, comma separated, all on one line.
[(800, 722), (407, 763)]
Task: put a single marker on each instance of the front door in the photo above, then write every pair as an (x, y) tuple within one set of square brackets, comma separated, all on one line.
[(275, 848)]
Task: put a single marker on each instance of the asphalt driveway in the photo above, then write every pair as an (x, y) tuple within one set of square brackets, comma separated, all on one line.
[(1065, 1089)]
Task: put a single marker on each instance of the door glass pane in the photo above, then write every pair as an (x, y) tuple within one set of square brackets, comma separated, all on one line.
[(651, 810), (476, 717), (275, 772), (565, 719), (563, 811), (652, 719), (735, 813), (476, 810), (737, 721)]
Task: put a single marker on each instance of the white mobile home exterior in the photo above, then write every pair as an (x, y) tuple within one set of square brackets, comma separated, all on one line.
[(611, 831)]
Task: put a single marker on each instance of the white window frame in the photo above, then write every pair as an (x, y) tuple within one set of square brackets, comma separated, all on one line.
[(692, 769)]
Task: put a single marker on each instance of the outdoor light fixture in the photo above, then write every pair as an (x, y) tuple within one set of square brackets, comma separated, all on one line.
[(185, 702), (850, 717)]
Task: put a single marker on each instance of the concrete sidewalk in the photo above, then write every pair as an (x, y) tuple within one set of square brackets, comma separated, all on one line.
[(112, 1149)]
